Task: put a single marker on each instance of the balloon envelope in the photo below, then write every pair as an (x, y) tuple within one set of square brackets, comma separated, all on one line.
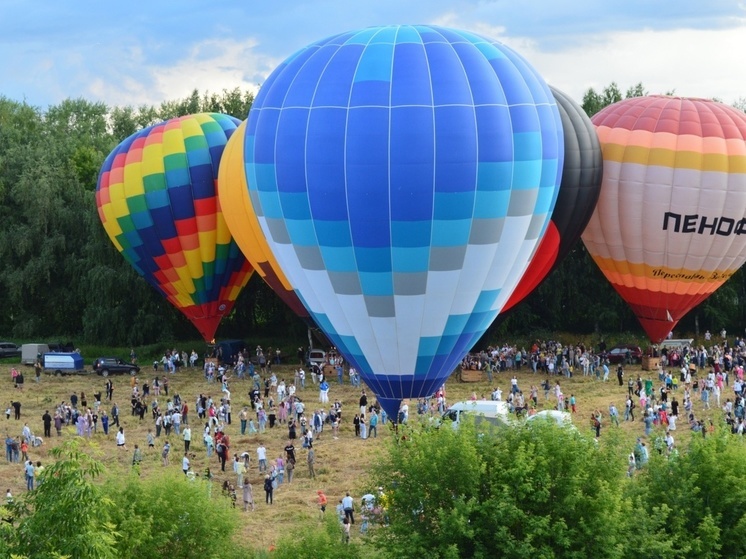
[(402, 176), (243, 224), (157, 202), (578, 194), (670, 226)]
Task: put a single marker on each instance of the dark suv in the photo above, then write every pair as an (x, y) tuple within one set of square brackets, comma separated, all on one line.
[(106, 366), (9, 349)]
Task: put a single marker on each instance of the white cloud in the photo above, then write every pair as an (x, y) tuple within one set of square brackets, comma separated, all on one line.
[(152, 68), (693, 63), (210, 65)]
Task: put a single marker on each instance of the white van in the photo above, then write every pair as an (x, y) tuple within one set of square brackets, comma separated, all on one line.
[(496, 413), (675, 344), (31, 352), (561, 418)]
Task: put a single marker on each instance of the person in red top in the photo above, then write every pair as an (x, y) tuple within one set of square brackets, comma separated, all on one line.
[(322, 500), (184, 412)]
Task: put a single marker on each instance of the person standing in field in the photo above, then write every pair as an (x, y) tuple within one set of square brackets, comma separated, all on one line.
[(47, 420), (261, 455), (248, 496), (136, 457), (165, 452), (322, 500), (311, 459), (346, 530), (121, 441), (268, 489), (187, 435), (348, 505)]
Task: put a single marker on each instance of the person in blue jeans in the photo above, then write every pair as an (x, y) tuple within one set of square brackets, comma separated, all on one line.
[(373, 425), (648, 423), (29, 475)]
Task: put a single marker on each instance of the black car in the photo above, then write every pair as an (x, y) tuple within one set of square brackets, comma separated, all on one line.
[(59, 347), (106, 366), (9, 349)]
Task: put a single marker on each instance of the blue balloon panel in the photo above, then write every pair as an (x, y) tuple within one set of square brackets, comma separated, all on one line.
[(402, 176)]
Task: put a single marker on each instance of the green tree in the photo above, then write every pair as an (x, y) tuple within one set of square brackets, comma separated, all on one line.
[(169, 515), (311, 541), (43, 209), (67, 514), (594, 102), (534, 491), (234, 102), (637, 90), (699, 497)]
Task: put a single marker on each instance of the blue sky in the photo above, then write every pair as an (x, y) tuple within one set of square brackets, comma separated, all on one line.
[(137, 52)]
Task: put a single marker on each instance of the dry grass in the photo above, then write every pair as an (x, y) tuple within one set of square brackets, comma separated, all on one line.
[(341, 464)]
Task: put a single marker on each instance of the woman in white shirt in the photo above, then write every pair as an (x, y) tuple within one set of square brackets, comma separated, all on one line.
[(120, 439)]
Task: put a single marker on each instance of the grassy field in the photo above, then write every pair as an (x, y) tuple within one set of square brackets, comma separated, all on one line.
[(341, 464)]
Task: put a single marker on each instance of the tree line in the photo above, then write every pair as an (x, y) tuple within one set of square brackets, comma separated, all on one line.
[(61, 277)]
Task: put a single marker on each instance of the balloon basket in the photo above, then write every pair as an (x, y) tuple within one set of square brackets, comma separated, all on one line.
[(650, 363)]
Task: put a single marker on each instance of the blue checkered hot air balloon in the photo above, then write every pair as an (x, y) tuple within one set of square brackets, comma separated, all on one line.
[(402, 176)]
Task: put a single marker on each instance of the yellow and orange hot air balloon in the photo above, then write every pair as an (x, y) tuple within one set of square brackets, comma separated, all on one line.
[(233, 194), (670, 224)]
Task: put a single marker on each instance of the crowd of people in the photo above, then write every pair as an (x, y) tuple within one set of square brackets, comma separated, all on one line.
[(689, 383), (270, 404)]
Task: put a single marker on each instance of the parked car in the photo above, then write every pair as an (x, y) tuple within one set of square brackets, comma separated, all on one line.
[(9, 349), (60, 347), (316, 357), (624, 353), (106, 366)]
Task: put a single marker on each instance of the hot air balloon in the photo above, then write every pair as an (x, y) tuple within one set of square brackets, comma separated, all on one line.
[(156, 199), (238, 212), (402, 177), (579, 190), (670, 224)]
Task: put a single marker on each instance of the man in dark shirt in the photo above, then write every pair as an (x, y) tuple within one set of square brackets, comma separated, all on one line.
[(47, 420), (115, 415), (290, 451)]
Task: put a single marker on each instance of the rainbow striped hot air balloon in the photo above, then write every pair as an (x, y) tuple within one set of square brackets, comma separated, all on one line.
[(670, 224), (156, 199)]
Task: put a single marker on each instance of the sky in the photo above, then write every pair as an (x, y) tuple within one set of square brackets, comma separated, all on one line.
[(138, 52)]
